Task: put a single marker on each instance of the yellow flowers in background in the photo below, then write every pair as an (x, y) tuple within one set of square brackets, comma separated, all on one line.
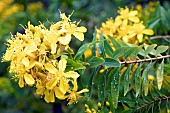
[(37, 59), (7, 8), (126, 26), (145, 13)]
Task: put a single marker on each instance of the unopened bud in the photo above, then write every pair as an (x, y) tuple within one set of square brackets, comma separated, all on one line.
[(88, 111)]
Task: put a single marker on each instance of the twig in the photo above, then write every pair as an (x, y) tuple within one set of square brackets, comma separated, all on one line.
[(145, 60), (153, 102), (158, 37)]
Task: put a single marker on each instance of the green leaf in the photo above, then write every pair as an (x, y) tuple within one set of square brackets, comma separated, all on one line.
[(114, 42), (145, 81), (94, 45), (130, 51), (161, 49), (137, 76), (111, 62), (102, 87), (81, 51), (110, 77), (141, 51), (120, 52), (74, 65), (153, 22), (101, 47), (112, 109), (115, 87), (126, 75), (149, 49), (95, 61), (122, 43), (83, 48), (108, 49), (91, 82), (159, 74)]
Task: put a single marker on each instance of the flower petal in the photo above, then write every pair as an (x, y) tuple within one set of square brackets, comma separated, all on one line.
[(29, 79), (133, 13), (31, 64), (51, 83), (63, 85), (49, 67), (59, 94), (62, 64), (148, 32), (81, 29), (65, 40), (71, 74), (140, 37), (8, 55), (53, 48), (21, 81), (47, 96), (31, 48), (79, 35), (25, 61), (134, 19)]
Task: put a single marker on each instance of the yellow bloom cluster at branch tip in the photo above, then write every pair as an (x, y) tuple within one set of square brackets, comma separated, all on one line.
[(126, 26), (34, 55)]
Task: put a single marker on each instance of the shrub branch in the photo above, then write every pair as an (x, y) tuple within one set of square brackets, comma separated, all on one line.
[(158, 37), (145, 60)]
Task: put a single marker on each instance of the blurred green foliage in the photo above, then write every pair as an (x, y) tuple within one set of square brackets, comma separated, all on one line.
[(91, 13)]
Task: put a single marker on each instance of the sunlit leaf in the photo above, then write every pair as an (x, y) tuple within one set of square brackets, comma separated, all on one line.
[(137, 76), (150, 48), (145, 81), (161, 49), (126, 75), (159, 74)]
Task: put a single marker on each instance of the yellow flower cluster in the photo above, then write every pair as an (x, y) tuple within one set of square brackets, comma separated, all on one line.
[(126, 26), (34, 55)]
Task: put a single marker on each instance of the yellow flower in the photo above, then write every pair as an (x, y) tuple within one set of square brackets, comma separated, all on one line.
[(74, 95), (126, 15), (72, 29), (138, 30)]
